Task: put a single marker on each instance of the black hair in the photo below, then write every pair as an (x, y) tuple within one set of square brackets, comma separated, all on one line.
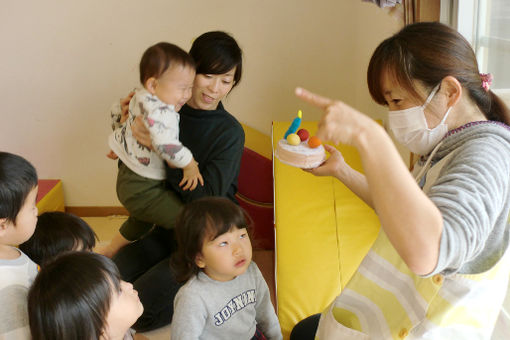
[(17, 178), (71, 296), (158, 58), (58, 232), (428, 52), (217, 52), (206, 217)]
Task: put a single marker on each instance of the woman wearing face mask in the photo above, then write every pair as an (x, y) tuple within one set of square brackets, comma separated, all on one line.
[(216, 140), (440, 266)]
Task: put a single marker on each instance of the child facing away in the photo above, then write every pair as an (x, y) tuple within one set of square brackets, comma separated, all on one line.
[(18, 218), (79, 295), (225, 296), (167, 73), (56, 233)]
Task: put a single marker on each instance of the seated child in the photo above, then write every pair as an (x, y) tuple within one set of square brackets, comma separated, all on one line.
[(79, 295), (18, 217), (167, 73), (225, 296), (58, 232)]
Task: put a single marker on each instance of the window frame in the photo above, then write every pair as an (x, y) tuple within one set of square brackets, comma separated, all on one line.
[(450, 13)]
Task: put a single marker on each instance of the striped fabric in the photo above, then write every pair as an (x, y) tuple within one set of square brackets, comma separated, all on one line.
[(385, 300)]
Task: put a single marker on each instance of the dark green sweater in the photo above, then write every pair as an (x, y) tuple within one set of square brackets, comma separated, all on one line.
[(216, 140)]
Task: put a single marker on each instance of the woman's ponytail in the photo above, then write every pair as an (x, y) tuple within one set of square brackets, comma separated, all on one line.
[(498, 110)]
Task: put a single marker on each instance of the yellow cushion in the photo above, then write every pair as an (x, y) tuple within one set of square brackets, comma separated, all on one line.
[(322, 233), (50, 196), (257, 141)]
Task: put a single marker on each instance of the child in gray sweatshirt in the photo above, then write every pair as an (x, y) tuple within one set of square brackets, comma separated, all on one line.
[(225, 296)]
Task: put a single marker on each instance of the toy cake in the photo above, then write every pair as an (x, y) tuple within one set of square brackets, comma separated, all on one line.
[(298, 149)]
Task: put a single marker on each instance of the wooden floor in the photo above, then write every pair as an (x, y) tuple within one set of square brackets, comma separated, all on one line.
[(106, 227)]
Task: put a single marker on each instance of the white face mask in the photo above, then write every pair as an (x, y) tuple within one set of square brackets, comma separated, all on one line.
[(410, 127)]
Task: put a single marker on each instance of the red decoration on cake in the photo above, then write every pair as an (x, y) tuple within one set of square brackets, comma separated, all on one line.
[(303, 134)]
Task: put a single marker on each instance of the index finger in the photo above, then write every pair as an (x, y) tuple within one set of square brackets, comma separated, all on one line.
[(312, 98)]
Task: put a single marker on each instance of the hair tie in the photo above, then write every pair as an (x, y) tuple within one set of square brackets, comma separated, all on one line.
[(486, 81)]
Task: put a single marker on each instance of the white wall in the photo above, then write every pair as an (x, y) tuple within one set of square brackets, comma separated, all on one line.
[(62, 64)]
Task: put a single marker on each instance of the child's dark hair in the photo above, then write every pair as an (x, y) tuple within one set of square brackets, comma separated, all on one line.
[(207, 217), (217, 52), (158, 58), (70, 297), (17, 178), (58, 232), (428, 52)]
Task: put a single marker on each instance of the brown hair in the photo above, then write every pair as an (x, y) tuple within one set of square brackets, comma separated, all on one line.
[(158, 58), (57, 232), (205, 217), (428, 52)]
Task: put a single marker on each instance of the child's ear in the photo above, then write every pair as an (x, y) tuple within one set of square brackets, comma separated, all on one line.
[(199, 260), (4, 224), (151, 84)]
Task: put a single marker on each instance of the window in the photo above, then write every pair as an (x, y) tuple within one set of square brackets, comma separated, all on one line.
[(486, 25)]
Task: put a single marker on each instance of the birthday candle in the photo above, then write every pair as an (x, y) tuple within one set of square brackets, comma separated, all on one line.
[(295, 125)]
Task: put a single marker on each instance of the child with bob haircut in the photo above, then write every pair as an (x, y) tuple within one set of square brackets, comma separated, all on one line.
[(80, 295), (225, 296), (167, 73), (58, 232), (18, 217)]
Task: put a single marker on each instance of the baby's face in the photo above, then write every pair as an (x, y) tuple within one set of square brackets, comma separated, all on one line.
[(227, 256), (174, 86)]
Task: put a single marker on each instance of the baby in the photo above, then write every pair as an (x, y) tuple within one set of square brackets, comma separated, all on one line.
[(167, 73)]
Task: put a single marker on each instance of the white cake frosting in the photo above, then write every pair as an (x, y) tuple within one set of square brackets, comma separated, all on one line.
[(301, 155)]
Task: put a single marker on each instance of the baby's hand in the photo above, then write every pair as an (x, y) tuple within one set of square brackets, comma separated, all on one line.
[(191, 176), (112, 155), (124, 106)]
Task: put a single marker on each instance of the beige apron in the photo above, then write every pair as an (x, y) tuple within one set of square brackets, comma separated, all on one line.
[(385, 300)]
